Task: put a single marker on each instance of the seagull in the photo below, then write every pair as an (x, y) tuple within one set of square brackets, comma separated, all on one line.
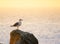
[(17, 24)]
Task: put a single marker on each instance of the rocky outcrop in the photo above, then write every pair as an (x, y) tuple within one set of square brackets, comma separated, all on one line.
[(20, 37)]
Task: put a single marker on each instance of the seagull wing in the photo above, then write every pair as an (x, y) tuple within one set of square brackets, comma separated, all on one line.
[(16, 24)]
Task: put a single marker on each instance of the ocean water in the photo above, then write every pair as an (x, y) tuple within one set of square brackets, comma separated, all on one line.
[(45, 28), (45, 33)]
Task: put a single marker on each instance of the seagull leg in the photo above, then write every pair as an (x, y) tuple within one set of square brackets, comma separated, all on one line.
[(17, 27)]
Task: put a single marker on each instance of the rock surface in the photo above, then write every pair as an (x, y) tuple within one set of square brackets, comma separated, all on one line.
[(20, 37)]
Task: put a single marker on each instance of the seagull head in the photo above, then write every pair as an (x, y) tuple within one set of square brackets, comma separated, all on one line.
[(20, 19)]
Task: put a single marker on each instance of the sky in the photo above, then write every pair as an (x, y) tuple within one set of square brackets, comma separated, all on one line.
[(26, 8), (29, 3)]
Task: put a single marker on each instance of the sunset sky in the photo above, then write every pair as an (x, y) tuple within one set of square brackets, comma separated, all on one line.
[(29, 3), (26, 9)]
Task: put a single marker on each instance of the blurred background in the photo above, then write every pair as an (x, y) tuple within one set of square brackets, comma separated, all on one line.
[(40, 17)]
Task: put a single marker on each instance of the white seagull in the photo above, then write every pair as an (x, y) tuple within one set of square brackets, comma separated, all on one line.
[(17, 24)]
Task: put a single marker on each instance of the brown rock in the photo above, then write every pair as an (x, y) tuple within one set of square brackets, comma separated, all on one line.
[(20, 37)]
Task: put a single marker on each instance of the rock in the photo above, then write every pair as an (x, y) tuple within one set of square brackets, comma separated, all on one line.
[(20, 37)]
